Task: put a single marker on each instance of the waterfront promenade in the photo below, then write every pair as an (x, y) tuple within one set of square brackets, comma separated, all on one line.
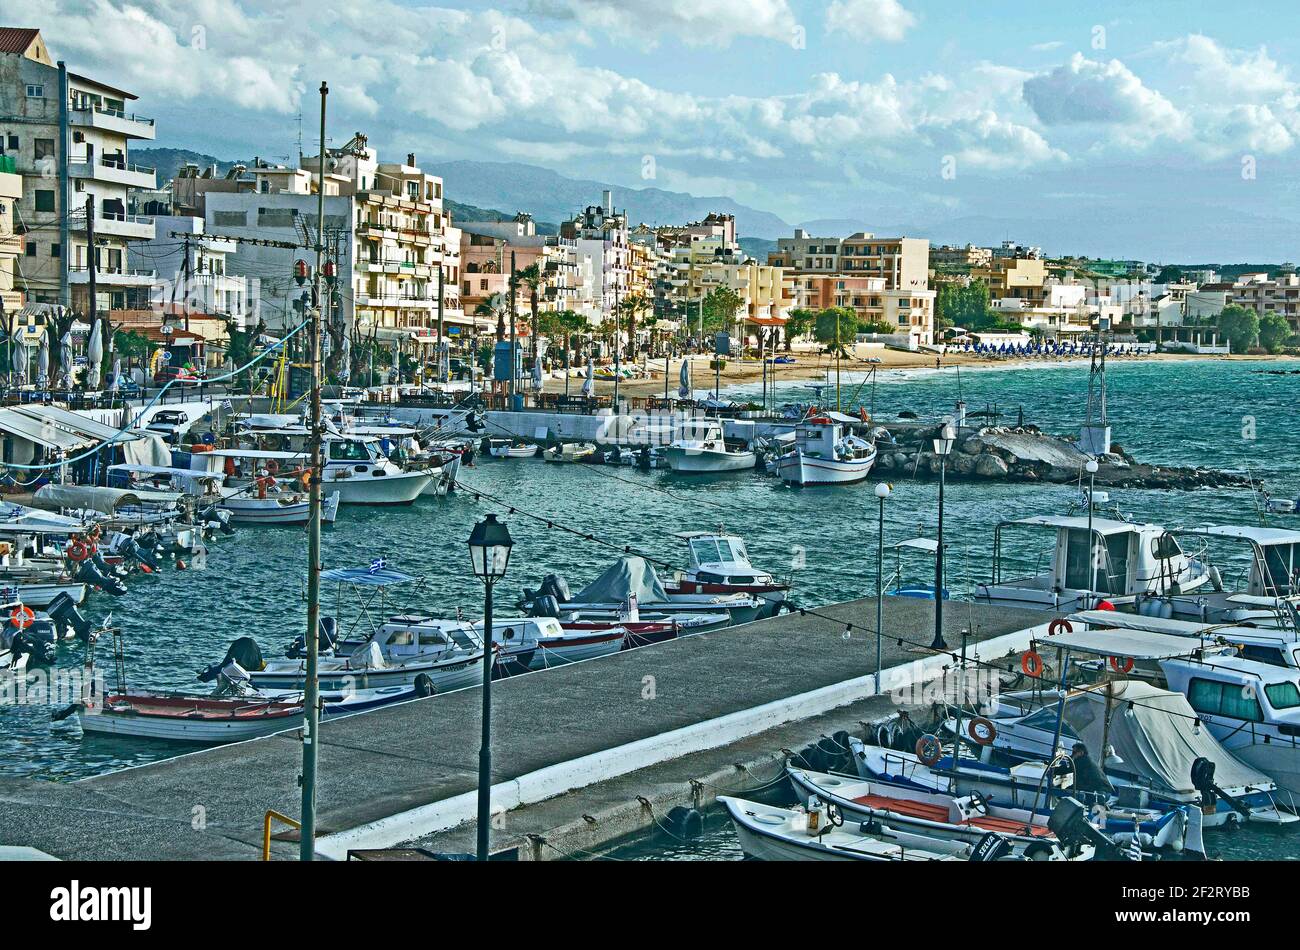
[(409, 773)]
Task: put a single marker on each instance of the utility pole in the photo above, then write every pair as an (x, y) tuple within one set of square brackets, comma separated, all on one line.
[(617, 331), (311, 696), (513, 339), (442, 377), (93, 308)]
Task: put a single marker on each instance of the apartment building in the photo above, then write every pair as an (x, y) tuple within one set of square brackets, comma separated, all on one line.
[(910, 312), (69, 137), (1279, 295), (11, 244), (1019, 278), (903, 263), (486, 258), (601, 233), (952, 255), (385, 229)]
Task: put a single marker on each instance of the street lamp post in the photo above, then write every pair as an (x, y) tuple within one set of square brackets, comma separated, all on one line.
[(1091, 467), (489, 553), (882, 492), (942, 448)]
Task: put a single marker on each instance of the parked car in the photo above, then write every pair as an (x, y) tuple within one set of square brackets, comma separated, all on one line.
[(166, 374)]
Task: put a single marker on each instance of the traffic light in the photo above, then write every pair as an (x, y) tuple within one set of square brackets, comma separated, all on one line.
[(301, 271)]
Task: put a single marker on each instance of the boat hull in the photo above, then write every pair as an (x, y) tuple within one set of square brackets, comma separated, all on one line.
[(269, 511), (367, 489), (705, 462), (799, 468), (565, 650)]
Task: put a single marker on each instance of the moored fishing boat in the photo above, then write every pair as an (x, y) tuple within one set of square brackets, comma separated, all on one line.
[(701, 449), (569, 452), (824, 454), (512, 449), (719, 564)]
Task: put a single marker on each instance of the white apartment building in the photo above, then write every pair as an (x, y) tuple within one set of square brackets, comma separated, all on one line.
[(193, 270), (601, 233), (69, 137)]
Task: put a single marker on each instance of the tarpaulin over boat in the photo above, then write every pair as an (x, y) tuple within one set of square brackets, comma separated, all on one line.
[(149, 449), (1156, 737), (628, 575), (88, 497)]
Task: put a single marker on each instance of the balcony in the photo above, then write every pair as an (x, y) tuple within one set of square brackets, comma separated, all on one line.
[(114, 120), (111, 223), (114, 172), (121, 277)]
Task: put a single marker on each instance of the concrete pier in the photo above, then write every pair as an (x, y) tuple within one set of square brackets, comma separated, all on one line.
[(581, 740)]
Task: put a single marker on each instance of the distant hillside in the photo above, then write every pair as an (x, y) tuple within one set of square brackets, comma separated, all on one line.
[(553, 197), (757, 248)]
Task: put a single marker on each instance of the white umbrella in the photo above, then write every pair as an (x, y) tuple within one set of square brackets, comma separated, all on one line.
[(65, 358), (345, 359), (43, 360), (589, 384), (684, 390), (537, 375), (94, 355)]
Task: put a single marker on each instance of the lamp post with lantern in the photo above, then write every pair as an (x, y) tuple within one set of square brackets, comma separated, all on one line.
[(489, 554), (942, 448)]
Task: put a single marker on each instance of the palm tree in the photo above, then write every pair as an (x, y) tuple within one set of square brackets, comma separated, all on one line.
[(496, 305), (631, 306), (530, 277)]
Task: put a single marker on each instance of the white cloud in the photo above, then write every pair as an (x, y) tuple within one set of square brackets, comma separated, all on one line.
[(1085, 91), (869, 20), (691, 21)]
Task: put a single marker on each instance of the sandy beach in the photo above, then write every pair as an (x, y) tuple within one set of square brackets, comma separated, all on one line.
[(813, 364)]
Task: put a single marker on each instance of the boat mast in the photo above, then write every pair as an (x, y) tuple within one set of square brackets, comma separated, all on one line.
[(311, 697)]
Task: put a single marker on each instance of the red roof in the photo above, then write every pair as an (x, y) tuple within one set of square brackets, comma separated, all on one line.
[(16, 39)]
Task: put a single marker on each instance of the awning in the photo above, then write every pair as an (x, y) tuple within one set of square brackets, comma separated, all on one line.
[(23, 426), (369, 577), (1136, 644), (75, 423)]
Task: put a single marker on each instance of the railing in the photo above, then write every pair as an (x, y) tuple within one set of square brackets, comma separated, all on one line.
[(266, 830), (116, 113)]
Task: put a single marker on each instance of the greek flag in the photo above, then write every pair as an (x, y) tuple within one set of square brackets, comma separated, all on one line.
[(377, 565), (227, 406)]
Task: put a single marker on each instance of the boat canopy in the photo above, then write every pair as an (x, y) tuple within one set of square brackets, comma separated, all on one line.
[(1182, 628), (365, 576), (928, 545), (1155, 736), (23, 426), (21, 518), (75, 423), (251, 454), (1136, 644), (627, 576), (1103, 526), (1254, 533), (89, 497)]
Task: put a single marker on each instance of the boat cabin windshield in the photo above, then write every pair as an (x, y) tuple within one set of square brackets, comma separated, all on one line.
[(349, 451), (718, 550), (1283, 564), (1110, 575)]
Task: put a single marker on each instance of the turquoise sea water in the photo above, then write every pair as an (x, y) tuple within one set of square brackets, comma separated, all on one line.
[(1185, 413)]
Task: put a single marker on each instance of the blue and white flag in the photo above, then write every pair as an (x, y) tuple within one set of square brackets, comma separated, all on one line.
[(377, 565)]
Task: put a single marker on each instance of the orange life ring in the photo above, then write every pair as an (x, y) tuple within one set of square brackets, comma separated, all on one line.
[(1059, 625), (22, 616), (929, 749), (1031, 664), (78, 551), (272, 467), (1121, 664), (982, 730)]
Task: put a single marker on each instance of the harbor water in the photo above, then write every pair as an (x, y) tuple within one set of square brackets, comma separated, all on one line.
[(1222, 414)]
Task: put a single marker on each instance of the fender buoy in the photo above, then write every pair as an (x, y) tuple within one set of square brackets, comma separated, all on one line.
[(22, 616), (1059, 625), (1031, 663), (77, 550), (929, 749), (982, 730), (1121, 664)]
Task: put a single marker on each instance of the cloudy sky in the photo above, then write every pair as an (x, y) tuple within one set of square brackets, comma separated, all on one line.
[(1160, 130)]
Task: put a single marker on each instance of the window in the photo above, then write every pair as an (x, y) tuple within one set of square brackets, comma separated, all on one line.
[(31, 249), (13, 143), (44, 148), (1282, 695), (44, 200), (1260, 654), (1224, 699), (230, 219), (35, 91), (276, 217), (56, 250)]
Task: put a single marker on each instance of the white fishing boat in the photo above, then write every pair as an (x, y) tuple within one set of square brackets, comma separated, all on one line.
[(772, 833), (569, 452), (701, 449), (823, 454), (558, 645), (276, 506), (1118, 562), (512, 449)]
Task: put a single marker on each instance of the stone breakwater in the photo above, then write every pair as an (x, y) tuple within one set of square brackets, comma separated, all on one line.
[(1026, 454)]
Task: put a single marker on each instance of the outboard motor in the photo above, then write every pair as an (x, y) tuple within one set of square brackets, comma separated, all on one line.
[(325, 644), (132, 549), (991, 847), (557, 587), (243, 651), (212, 515), (108, 570), (88, 572), (37, 642), (545, 606), (63, 611), (1069, 822)]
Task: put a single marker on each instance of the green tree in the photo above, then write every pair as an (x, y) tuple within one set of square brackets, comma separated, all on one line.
[(530, 277), (798, 323), (1239, 326), (1273, 332), (629, 308), (1169, 274), (720, 308), (836, 327)]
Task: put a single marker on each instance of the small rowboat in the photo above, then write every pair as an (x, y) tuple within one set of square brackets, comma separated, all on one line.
[(512, 449), (572, 646), (177, 717)]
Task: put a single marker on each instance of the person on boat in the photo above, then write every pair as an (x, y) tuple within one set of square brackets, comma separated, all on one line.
[(1088, 775)]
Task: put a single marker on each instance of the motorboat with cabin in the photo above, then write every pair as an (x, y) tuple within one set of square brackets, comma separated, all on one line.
[(719, 564), (1118, 561), (826, 452), (700, 448)]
